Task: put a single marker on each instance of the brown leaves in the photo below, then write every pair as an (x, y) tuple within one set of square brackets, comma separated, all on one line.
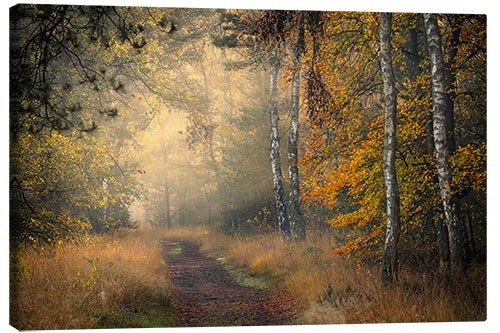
[(206, 295)]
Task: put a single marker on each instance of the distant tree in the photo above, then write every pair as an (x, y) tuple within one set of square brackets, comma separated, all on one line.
[(262, 33)]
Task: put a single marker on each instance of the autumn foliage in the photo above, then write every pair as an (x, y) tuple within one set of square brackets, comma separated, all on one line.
[(342, 161), (186, 120), (72, 185)]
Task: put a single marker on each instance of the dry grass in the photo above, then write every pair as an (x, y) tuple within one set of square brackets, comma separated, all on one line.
[(333, 290), (103, 282)]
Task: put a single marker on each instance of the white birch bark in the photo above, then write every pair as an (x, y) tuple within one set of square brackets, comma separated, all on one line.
[(442, 145), (281, 211), (297, 218), (390, 255)]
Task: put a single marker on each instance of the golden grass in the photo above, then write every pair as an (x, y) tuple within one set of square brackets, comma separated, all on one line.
[(334, 290), (99, 283)]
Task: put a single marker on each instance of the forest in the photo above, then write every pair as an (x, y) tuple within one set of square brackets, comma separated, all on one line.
[(173, 167)]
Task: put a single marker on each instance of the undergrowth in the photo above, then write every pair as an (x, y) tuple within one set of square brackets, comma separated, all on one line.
[(103, 282), (334, 290)]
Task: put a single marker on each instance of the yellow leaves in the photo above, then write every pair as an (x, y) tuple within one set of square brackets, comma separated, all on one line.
[(342, 162), (469, 168), (65, 177)]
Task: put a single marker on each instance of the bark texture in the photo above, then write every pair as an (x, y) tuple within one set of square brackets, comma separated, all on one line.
[(440, 99), (390, 255), (279, 193), (297, 218)]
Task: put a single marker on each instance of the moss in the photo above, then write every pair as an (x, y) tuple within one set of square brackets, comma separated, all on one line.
[(175, 251), (159, 313), (241, 275)]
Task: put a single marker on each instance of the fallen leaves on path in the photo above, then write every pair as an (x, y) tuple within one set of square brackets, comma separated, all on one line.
[(205, 294)]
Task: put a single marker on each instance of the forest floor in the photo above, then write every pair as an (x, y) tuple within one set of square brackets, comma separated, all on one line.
[(206, 293), (235, 280)]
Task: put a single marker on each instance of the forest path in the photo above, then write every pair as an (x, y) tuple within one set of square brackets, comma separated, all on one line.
[(205, 294)]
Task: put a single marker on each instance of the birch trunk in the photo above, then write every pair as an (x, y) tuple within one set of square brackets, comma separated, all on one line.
[(390, 255), (279, 194), (440, 227), (297, 220), (456, 232)]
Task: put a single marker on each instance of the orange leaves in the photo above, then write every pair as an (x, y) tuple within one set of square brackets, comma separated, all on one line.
[(469, 168), (348, 164), (342, 161)]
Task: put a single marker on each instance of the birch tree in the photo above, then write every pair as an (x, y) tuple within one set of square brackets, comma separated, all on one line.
[(297, 221), (279, 193), (456, 232), (390, 255)]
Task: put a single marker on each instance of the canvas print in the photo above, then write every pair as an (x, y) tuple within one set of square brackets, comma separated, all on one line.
[(190, 167)]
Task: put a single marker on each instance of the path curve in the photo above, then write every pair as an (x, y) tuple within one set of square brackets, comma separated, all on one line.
[(205, 294)]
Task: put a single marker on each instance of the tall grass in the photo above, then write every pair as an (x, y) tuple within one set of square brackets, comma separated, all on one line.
[(334, 290), (103, 282)]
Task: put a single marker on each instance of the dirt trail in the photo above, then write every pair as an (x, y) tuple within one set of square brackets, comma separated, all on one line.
[(205, 294)]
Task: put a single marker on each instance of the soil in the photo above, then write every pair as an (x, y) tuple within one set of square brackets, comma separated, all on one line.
[(205, 294)]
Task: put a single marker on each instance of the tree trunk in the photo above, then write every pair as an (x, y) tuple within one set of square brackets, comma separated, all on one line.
[(441, 230), (470, 235), (456, 230), (450, 78), (456, 22), (297, 222), (209, 212), (102, 226), (390, 255), (279, 193), (167, 204), (228, 97), (183, 209), (444, 245)]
